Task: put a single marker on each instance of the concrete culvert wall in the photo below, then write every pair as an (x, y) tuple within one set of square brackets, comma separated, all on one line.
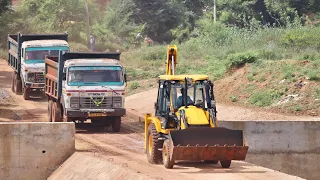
[(34, 150), (292, 147)]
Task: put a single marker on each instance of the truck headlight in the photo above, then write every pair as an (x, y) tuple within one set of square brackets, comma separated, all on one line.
[(117, 105), (75, 105)]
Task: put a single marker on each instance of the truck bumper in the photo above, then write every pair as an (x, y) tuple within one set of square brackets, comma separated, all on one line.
[(93, 113), (35, 86)]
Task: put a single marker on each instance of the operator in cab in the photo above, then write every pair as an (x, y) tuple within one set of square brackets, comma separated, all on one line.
[(180, 99)]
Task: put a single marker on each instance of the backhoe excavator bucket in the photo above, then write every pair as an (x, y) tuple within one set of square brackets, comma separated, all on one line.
[(205, 143)]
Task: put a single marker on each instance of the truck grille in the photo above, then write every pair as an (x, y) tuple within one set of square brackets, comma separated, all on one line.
[(99, 102), (36, 77)]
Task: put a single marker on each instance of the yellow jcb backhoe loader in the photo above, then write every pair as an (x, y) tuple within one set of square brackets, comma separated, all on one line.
[(186, 127)]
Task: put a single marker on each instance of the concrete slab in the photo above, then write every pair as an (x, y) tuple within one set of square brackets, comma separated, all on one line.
[(33, 150), (84, 167), (292, 147)]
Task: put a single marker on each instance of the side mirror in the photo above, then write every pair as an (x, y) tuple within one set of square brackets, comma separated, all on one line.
[(64, 77), (125, 77)]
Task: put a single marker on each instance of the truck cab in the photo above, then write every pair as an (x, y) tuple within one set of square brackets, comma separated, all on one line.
[(26, 55), (86, 86), (33, 55)]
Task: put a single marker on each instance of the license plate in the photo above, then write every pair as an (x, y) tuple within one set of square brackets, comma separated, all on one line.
[(96, 114), (35, 85)]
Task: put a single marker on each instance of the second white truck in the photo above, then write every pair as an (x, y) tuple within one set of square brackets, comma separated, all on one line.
[(26, 55)]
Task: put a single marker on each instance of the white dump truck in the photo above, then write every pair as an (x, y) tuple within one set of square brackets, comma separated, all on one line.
[(82, 86), (26, 55)]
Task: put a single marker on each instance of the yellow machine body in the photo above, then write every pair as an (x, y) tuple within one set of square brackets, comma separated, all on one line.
[(189, 132)]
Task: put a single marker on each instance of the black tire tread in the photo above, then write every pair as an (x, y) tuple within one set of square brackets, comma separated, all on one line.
[(168, 163), (116, 124), (225, 164), (156, 156)]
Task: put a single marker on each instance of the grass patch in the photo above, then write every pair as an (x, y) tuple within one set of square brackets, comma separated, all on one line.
[(264, 98), (317, 90), (3, 54), (241, 58), (133, 85), (314, 75), (233, 98)]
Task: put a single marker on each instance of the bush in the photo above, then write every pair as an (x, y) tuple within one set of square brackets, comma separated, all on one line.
[(302, 38), (264, 98), (233, 98), (77, 47), (134, 85), (268, 54), (240, 59), (314, 75), (154, 53)]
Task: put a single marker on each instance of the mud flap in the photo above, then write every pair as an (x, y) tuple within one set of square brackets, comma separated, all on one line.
[(205, 143)]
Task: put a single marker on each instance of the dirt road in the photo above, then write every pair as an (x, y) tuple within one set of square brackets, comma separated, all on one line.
[(125, 148)]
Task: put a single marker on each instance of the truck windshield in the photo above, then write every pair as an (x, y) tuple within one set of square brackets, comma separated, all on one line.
[(98, 75), (39, 53)]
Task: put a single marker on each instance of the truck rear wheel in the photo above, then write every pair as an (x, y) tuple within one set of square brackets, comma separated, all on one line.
[(50, 110), (153, 145), (116, 124), (13, 82), (225, 164), (56, 113), (18, 86)]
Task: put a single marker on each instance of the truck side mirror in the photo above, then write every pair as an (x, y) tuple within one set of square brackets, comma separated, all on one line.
[(125, 77), (64, 77)]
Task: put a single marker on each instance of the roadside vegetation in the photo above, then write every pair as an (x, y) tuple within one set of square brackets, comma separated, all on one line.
[(260, 53)]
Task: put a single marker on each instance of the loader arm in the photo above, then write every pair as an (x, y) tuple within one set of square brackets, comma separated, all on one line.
[(171, 60)]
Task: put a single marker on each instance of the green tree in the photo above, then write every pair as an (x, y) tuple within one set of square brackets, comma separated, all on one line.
[(160, 16)]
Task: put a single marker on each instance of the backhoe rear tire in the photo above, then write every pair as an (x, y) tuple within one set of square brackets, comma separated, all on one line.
[(167, 161), (225, 164), (153, 145)]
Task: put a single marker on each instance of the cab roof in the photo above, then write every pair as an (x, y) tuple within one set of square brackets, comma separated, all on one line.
[(195, 77), (47, 42)]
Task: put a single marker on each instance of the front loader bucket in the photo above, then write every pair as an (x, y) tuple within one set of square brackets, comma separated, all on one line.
[(205, 143)]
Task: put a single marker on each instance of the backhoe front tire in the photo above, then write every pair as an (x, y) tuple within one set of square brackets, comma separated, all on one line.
[(167, 161), (225, 164), (153, 144)]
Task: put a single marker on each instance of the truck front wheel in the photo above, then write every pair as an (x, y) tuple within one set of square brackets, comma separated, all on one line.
[(56, 113), (26, 93), (116, 124)]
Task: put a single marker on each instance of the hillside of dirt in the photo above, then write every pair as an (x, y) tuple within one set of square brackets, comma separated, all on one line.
[(270, 88)]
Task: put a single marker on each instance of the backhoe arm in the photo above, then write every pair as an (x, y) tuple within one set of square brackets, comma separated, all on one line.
[(171, 60)]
